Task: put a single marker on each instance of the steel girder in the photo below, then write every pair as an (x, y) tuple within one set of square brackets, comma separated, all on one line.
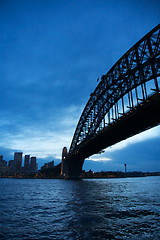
[(137, 66)]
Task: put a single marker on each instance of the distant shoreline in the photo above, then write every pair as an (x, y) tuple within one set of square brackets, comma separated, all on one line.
[(85, 175)]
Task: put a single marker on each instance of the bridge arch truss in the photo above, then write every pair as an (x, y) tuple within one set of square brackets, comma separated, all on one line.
[(122, 88)]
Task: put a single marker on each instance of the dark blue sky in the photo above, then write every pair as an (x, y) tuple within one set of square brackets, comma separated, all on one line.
[(52, 52)]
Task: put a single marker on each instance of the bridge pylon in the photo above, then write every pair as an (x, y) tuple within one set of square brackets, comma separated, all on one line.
[(64, 163), (71, 166)]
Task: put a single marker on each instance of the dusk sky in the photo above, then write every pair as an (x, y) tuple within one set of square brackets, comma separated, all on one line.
[(51, 54)]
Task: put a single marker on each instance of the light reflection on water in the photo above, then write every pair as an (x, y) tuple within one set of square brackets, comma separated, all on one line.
[(88, 209)]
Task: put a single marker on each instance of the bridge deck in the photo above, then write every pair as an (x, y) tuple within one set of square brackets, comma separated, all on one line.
[(144, 116)]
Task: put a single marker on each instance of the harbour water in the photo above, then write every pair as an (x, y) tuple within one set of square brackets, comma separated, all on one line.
[(48, 209)]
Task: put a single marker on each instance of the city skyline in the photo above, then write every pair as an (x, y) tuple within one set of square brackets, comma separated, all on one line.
[(52, 55), (20, 165)]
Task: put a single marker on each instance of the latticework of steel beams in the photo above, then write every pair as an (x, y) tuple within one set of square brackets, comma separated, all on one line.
[(135, 68)]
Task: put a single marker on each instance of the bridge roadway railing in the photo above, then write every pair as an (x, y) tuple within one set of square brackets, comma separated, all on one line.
[(122, 89)]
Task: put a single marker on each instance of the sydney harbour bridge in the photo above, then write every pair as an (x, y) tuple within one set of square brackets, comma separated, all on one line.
[(125, 102)]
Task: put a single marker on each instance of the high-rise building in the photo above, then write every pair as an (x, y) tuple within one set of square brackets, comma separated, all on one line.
[(33, 165), (18, 160), (48, 165), (51, 164), (3, 165), (11, 165), (26, 161)]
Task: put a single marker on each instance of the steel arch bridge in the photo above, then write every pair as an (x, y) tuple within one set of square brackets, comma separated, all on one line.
[(121, 105)]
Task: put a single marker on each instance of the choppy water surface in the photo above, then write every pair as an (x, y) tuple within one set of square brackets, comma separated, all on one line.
[(88, 209)]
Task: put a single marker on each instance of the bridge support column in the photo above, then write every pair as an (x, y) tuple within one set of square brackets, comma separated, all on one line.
[(71, 167), (64, 163), (75, 168)]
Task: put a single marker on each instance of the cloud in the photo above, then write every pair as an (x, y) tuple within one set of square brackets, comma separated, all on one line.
[(47, 140), (50, 60), (42, 139), (144, 136), (109, 153), (140, 156), (140, 153), (99, 158)]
